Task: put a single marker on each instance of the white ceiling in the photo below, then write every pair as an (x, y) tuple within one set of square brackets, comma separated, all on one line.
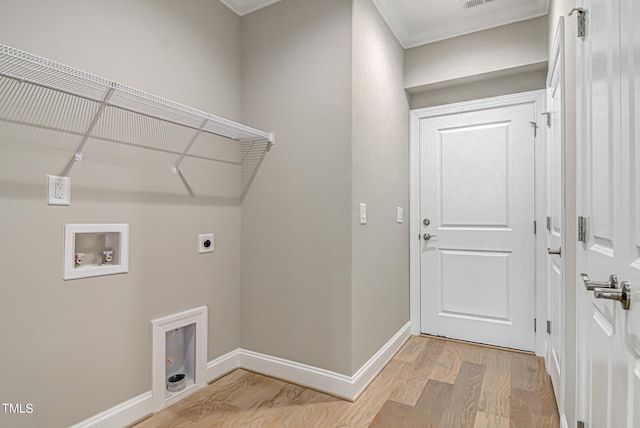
[(417, 22)]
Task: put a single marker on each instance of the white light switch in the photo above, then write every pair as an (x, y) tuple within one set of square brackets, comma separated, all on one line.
[(400, 215), (58, 190), (363, 213)]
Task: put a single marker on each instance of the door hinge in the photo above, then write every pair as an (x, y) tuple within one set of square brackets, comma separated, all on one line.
[(580, 424), (535, 128), (582, 229), (535, 325), (548, 114), (548, 327), (535, 227), (549, 224), (582, 21)]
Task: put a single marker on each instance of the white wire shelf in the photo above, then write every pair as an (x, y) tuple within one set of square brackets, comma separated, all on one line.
[(39, 93)]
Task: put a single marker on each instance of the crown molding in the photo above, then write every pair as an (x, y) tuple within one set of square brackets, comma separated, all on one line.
[(457, 24), (244, 7)]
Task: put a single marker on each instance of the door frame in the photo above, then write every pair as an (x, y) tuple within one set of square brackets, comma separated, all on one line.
[(557, 73), (538, 98)]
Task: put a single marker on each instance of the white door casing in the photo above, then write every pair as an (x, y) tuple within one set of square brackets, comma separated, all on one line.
[(609, 197), (477, 190), (555, 184)]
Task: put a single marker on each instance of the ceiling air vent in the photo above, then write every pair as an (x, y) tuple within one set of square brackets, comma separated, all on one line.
[(468, 4)]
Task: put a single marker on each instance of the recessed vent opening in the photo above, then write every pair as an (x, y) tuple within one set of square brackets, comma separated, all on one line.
[(468, 4)]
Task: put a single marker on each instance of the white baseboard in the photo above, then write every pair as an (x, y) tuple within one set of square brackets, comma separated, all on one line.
[(223, 365), (122, 415), (371, 368), (340, 385), (313, 377)]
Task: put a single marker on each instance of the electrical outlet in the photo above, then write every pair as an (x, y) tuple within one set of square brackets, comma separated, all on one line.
[(59, 190), (363, 213), (206, 243)]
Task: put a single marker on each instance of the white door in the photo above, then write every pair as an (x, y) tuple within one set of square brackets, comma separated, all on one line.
[(609, 197), (555, 214), (477, 196)]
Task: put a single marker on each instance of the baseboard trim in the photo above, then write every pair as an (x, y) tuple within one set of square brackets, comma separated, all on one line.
[(337, 384), (371, 368), (301, 374), (124, 414), (223, 365)]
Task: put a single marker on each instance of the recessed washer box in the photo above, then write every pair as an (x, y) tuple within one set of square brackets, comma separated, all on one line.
[(95, 250)]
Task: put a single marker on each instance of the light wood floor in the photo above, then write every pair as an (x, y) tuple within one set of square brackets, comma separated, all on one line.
[(430, 382)]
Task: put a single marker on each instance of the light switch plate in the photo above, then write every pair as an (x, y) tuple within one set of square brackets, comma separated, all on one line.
[(363, 213), (400, 215), (206, 243), (58, 190)]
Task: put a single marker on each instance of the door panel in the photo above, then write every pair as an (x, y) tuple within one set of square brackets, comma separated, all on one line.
[(556, 305), (469, 170), (608, 196), (477, 271), (601, 193), (630, 46), (600, 350), (488, 299)]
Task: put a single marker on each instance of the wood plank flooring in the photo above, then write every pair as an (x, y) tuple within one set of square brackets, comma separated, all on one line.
[(430, 382)]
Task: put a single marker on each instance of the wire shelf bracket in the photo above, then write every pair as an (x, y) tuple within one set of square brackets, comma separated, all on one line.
[(43, 94), (78, 154), (175, 168)]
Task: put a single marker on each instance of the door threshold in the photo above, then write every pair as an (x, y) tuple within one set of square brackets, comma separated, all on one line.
[(483, 345)]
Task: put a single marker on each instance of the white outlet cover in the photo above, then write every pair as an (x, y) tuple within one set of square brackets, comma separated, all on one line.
[(363, 213), (202, 243), (399, 215), (58, 190)]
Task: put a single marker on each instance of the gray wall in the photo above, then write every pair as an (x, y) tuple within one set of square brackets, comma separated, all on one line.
[(485, 86), (499, 61), (317, 287), (515, 45), (296, 218), (380, 168), (76, 348)]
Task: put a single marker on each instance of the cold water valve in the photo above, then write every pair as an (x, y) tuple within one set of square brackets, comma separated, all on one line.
[(107, 256)]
